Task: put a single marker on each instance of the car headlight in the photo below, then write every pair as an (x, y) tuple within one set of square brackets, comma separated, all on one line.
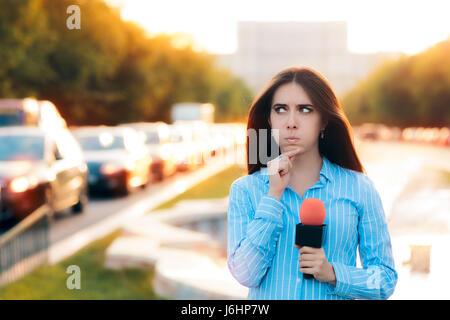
[(22, 184), (111, 168), (114, 167)]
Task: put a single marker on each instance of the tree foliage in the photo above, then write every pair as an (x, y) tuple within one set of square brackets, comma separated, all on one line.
[(411, 91), (110, 71)]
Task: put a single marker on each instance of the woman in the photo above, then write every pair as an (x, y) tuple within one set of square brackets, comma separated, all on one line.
[(303, 118)]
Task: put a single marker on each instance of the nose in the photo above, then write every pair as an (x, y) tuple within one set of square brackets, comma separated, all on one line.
[(291, 121)]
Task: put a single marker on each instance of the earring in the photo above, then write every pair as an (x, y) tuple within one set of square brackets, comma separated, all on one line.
[(322, 134)]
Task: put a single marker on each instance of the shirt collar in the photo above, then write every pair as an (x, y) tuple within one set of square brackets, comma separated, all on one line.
[(325, 172)]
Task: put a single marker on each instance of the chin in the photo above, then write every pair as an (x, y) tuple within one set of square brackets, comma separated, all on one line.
[(291, 147)]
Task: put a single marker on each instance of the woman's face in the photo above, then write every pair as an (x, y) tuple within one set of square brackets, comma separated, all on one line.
[(293, 115)]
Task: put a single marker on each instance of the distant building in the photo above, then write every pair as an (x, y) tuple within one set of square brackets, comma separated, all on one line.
[(264, 48)]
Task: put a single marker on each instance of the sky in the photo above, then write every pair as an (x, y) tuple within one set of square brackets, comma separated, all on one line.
[(373, 26)]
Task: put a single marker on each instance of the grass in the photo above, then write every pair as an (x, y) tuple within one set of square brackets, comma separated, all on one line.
[(216, 187), (49, 282)]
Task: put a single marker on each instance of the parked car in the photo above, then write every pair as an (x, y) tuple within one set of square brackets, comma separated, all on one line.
[(230, 136), (116, 157), (161, 149), (187, 154), (38, 167), (30, 112), (203, 139)]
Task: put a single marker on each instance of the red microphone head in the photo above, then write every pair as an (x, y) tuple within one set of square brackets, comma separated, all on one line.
[(312, 212)]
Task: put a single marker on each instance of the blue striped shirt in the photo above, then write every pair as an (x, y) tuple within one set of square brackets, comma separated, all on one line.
[(261, 231)]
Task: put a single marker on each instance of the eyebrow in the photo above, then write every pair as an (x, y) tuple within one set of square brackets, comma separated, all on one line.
[(285, 105)]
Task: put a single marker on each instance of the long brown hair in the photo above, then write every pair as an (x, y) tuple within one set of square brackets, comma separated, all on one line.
[(337, 144)]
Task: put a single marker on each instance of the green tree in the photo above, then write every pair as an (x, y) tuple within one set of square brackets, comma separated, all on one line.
[(410, 91), (109, 71)]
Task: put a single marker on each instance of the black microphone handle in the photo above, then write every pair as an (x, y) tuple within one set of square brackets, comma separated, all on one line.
[(310, 236)]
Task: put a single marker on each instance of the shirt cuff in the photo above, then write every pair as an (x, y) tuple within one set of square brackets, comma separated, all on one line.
[(342, 280)]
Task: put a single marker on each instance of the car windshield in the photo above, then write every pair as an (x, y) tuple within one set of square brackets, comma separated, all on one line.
[(16, 148), (11, 117), (103, 141)]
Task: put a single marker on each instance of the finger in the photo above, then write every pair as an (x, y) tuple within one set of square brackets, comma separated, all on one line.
[(284, 160), (308, 270), (276, 161), (291, 153), (286, 156), (307, 257), (283, 167), (275, 166), (292, 157), (289, 163), (297, 247), (306, 264), (306, 249)]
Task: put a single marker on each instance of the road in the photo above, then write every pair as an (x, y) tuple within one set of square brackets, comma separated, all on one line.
[(400, 170), (100, 207)]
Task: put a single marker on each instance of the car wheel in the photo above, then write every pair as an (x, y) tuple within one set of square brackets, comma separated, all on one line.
[(80, 206), (145, 184), (124, 189)]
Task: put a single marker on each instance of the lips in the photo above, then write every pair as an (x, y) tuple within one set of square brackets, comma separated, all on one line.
[(292, 140)]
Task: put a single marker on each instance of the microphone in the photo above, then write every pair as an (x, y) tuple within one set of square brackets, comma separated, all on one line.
[(311, 231)]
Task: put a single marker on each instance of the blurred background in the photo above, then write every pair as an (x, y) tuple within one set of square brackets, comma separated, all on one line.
[(119, 139)]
